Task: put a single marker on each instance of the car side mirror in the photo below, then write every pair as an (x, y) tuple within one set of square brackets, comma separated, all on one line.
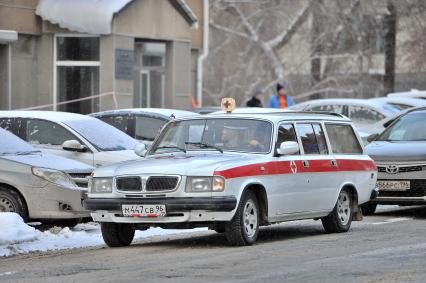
[(288, 148), (140, 149), (74, 145), (372, 137)]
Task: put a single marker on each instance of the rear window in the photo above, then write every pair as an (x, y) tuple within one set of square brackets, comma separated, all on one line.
[(343, 139)]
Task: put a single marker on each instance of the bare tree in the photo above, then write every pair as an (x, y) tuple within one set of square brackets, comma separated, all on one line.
[(319, 48)]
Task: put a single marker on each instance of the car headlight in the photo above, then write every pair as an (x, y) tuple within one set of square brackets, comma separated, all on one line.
[(205, 184), (54, 176), (100, 185)]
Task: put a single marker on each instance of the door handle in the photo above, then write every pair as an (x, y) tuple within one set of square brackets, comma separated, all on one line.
[(333, 163), (305, 163)]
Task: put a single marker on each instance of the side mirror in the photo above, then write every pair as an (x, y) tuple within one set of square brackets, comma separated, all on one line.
[(288, 148), (372, 137), (140, 149), (74, 145)]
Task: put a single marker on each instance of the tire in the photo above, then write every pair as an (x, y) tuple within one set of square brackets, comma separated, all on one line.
[(369, 208), (117, 234), (243, 229), (11, 201), (340, 219)]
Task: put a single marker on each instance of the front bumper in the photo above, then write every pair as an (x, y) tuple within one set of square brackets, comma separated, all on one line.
[(226, 203), (400, 200), (179, 210)]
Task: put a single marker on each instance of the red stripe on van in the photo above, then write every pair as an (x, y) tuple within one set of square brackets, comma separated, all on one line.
[(284, 167)]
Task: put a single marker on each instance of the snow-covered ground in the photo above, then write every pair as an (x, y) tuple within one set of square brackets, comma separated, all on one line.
[(16, 237)]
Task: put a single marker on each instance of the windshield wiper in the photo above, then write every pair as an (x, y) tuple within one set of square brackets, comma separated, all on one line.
[(205, 145), (171, 146)]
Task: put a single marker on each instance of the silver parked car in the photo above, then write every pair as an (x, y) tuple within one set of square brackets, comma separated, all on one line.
[(400, 155), (40, 186), (75, 136), (360, 111)]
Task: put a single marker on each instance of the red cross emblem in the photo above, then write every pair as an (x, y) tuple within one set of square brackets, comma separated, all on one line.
[(228, 104), (293, 166)]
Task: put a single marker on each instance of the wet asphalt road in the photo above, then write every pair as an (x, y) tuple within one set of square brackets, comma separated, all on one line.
[(387, 247)]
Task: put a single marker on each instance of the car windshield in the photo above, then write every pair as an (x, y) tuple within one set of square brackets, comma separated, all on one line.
[(410, 127), (12, 145), (221, 134), (101, 135)]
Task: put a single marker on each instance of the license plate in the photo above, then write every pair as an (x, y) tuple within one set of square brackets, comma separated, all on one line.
[(145, 210), (393, 185)]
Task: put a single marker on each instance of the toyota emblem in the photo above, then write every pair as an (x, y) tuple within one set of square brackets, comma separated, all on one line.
[(392, 169)]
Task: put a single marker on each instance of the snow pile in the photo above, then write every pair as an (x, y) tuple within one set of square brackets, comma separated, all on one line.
[(14, 230), (19, 238)]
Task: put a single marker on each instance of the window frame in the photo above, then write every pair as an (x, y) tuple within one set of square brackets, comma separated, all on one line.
[(69, 63), (369, 108), (337, 123), (25, 138), (274, 148), (327, 142)]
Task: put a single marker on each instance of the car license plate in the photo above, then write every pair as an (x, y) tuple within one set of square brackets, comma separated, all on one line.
[(145, 210), (393, 185)]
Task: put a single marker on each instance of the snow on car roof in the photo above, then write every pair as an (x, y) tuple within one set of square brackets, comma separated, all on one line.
[(378, 105), (159, 112), (54, 116), (280, 116)]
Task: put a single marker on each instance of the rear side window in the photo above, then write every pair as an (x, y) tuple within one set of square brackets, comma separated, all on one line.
[(343, 139), (120, 122), (6, 124), (319, 134), (312, 137), (329, 108), (364, 114)]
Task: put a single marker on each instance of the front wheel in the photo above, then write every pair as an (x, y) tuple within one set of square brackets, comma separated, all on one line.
[(11, 201), (340, 219), (117, 234), (243, 229)]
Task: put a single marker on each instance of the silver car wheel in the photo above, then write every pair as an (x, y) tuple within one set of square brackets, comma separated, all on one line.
[(6, 205), (344, 207), (250, 218)]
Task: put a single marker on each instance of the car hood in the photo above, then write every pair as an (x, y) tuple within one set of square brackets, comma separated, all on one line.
[(180, 164), (108, 157), (50, 161), (397, 151)]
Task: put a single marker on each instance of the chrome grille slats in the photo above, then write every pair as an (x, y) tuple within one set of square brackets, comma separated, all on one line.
[(149, 184)]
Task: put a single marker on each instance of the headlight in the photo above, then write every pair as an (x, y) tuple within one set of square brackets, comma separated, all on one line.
[(204, 184), (54, 176), (100, 185)]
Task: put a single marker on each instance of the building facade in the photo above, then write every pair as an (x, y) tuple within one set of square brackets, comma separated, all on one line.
[(86, 56)]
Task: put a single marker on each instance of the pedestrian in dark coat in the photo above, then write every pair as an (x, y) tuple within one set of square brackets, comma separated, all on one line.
[(255, 100)]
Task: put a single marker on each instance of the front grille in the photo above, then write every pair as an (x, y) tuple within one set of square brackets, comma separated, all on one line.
[(81, 179), (129, 184), (402, 169), (417, 189), (161, 183)]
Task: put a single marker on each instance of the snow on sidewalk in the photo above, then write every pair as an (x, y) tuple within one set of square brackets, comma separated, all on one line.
[(16, 237)]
